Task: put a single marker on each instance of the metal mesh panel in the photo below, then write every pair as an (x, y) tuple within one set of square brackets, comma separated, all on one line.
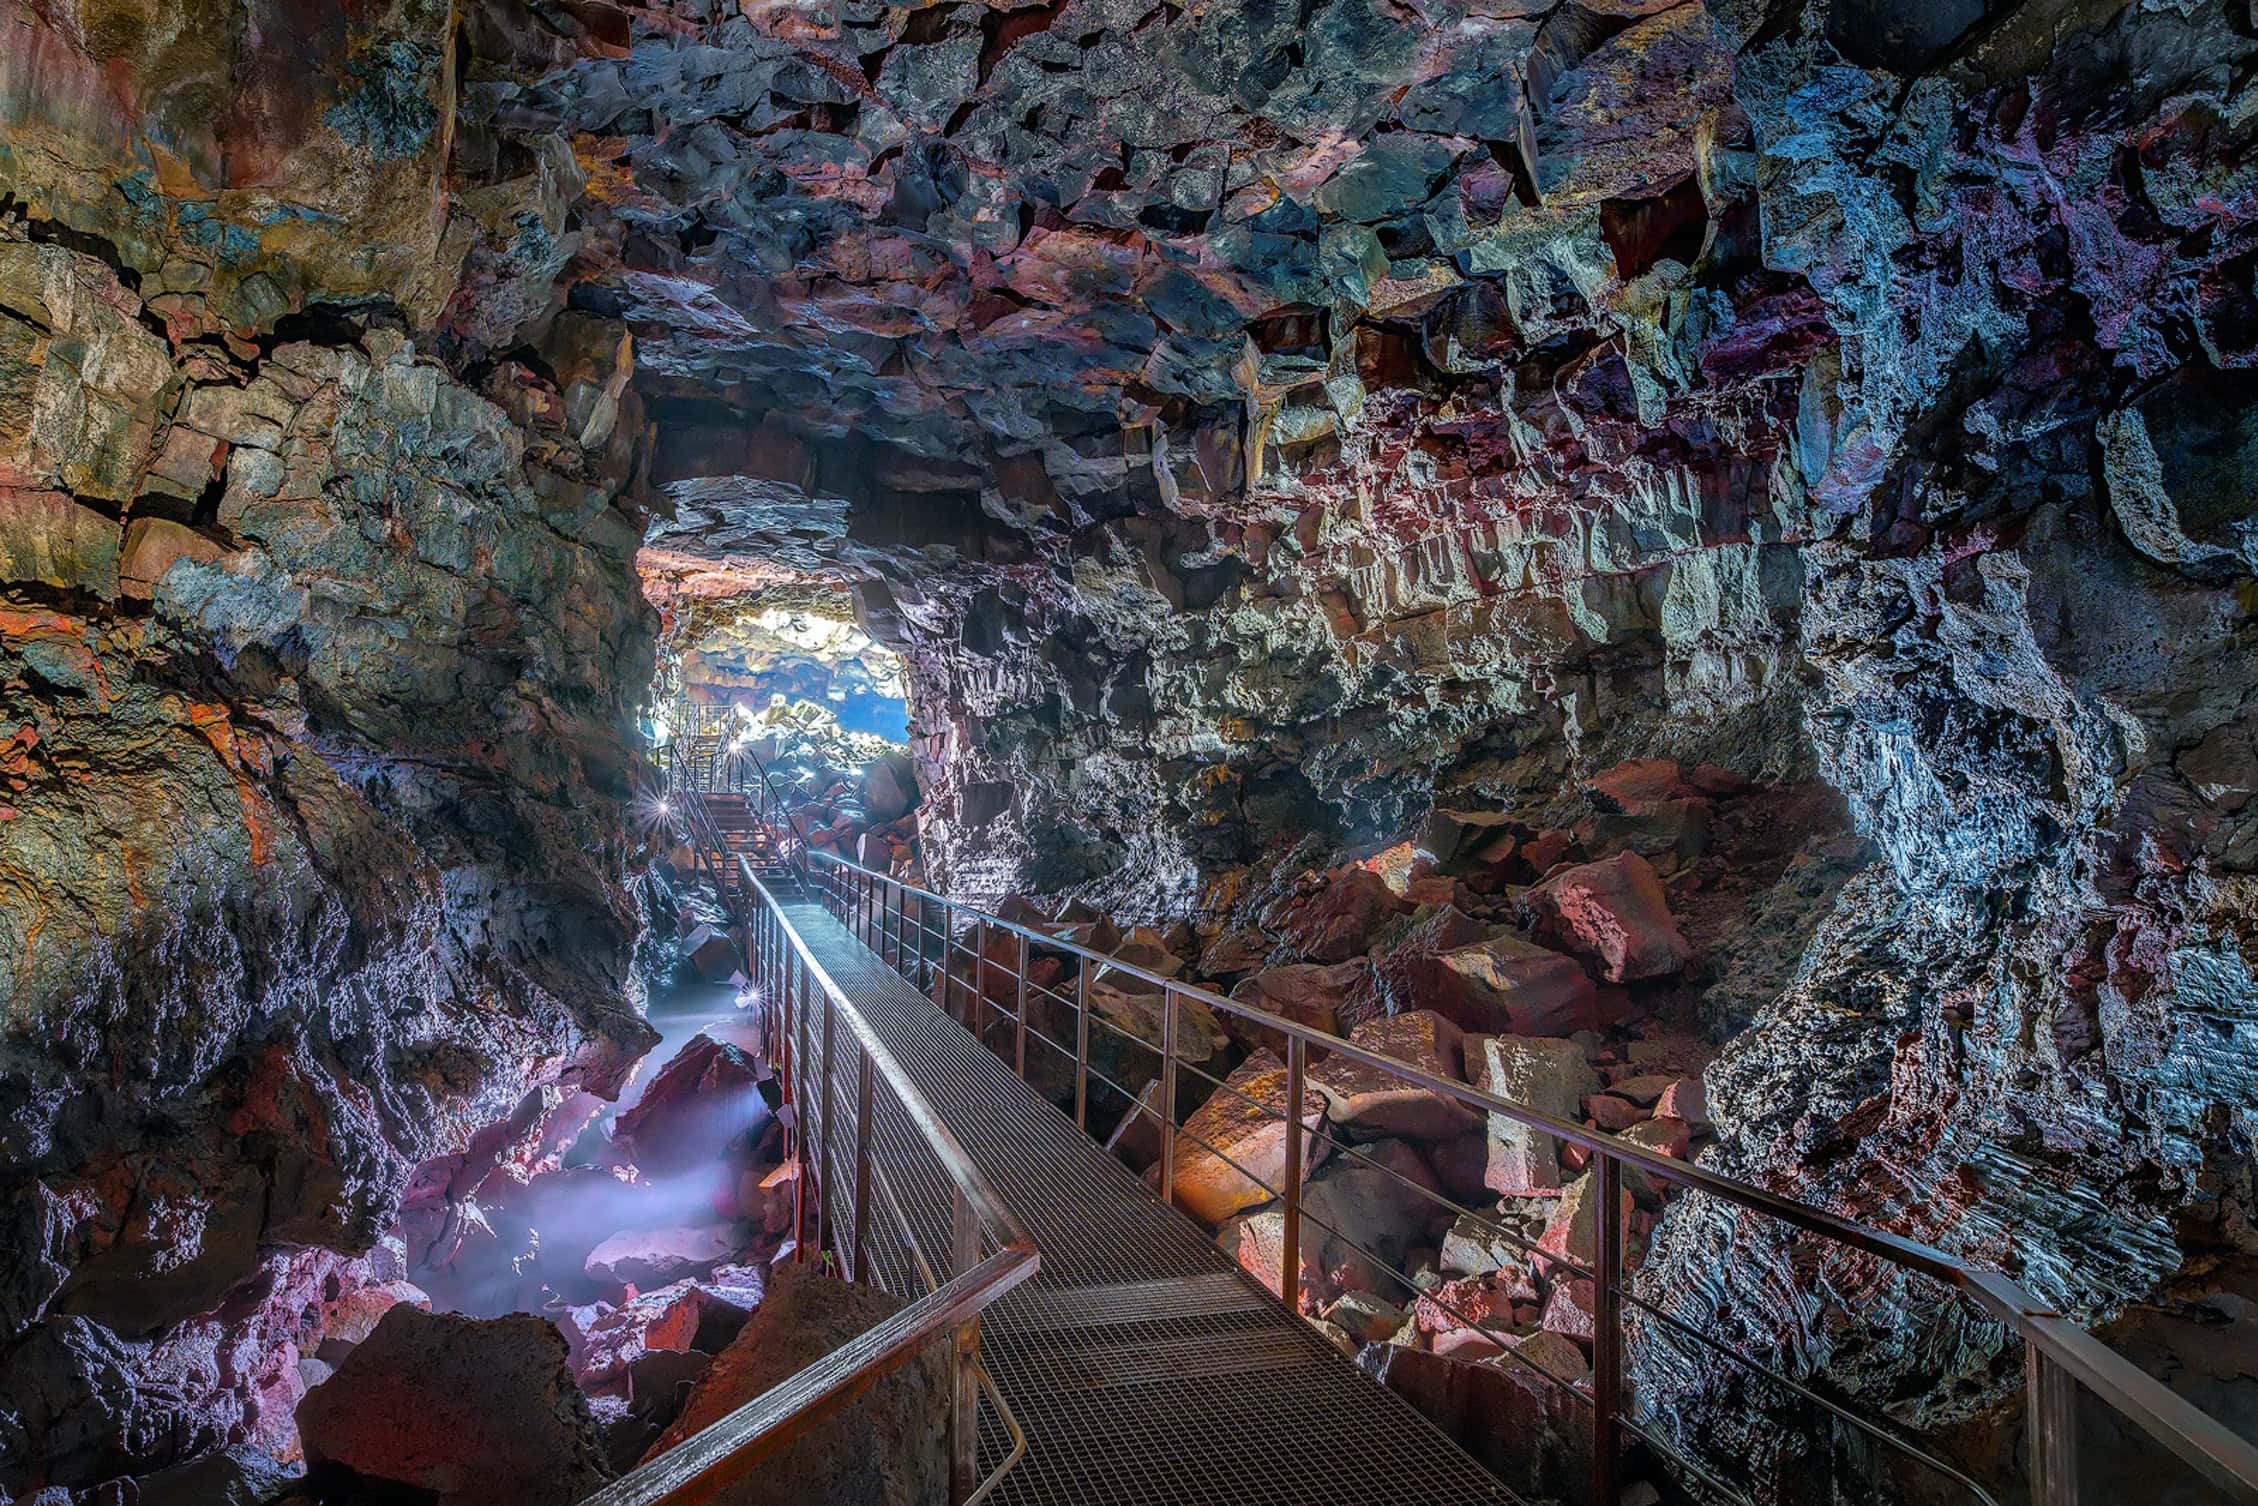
[(1144, 1364)]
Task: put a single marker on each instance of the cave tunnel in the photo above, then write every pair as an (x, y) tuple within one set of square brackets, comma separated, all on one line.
[(1077, 752)]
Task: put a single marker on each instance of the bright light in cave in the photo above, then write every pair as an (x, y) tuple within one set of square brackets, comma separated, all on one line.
[(800, 648)]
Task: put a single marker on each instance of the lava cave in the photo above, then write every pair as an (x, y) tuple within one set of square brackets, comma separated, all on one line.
[(1128, 751)]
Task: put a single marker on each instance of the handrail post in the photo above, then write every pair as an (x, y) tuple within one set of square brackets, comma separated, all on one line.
[(964, 1368), (1289, 1259), (1019, 1044), (976, 1011), (1082, 1045), (899, 954), (1168, 1094), (1607, 1334), (2051, 1403), (865, 1081), (798, 981), (830, 1135)]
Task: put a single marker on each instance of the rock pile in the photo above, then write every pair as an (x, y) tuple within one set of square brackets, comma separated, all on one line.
[(1440, 1245)]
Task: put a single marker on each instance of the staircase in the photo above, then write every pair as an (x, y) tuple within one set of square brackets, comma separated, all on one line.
[(742, 834)]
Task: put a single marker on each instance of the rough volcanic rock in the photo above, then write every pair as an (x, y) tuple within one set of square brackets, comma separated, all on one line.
[(466, 1409), (1232, 1147), (1613, 912), (888, 1447), (1369, 1103)]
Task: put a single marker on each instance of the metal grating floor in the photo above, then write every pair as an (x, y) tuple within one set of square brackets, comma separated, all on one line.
[(1145, 1366)]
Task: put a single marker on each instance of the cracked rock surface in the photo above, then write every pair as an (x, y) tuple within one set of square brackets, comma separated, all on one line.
[(1579, 434)]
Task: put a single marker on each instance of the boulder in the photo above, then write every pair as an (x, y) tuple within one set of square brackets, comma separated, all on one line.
[(1372, 1104), (1547, 1075), (231, 1477), (1612, 1114), (658, 1257), (1337, 922), (1363, 1220), (1512, 1411), (887, 1447), (1210, 1188), (469, 1410), (1506, 985), (1464, 837), (1308, 993), (889, 787), (1685, 1099), (1574, 1229), (701, 1100), (1613, 912), (1411, 974), (712, 953)]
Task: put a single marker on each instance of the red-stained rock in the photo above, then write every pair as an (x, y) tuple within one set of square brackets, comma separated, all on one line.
[(1307, 993), (1337, 923), (1363, 1209), (1569, 1310), (1611, 1113), (704, 1314), (473, 1411), (1210, 1188), (701, 1100), (1232, 952), (1460, 838), (1573, 1231), (886, 1447), (1507, 986), (1685, 1099), (1672, 1137), (1543, 852), (1474, 1302), (1466, 1344), (1370, 1103), (1615, 913)]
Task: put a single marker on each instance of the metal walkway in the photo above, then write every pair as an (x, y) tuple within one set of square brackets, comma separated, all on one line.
[(1145, 1366)]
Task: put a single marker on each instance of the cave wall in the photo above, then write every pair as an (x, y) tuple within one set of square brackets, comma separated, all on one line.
[(1253, 423), (1256, 424), (319, 632)]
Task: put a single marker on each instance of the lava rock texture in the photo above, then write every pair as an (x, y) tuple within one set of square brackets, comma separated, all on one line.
[(1268, 433), (317, 648)]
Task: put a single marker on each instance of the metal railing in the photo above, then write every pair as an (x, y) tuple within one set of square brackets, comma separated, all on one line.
[(944, 947), (714, 764), (886, 1190)]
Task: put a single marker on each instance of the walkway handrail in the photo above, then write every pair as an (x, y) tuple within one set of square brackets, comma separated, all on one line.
[(690, 771), (2058, 1354), (791, 981)]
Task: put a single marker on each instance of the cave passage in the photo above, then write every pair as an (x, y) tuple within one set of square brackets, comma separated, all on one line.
[(1414, 629)]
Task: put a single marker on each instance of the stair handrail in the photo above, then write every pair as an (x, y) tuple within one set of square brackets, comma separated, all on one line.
[(730, 1447), (2057, 1351)]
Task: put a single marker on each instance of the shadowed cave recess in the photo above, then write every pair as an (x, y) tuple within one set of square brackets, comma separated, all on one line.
[(1736, 517)]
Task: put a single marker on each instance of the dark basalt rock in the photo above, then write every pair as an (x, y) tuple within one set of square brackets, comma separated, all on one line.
[(1267, 437)]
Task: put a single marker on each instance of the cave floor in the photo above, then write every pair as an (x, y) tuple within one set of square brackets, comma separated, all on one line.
[(1145, 1366)]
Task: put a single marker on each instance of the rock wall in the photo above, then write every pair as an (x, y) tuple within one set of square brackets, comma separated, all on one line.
[(1257, 427), (318, 636)]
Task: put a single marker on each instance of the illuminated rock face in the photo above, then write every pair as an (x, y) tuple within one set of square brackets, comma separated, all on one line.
[(1257, 429)]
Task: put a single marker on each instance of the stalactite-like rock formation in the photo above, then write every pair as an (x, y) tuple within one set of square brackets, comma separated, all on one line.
[(1259, 428)]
